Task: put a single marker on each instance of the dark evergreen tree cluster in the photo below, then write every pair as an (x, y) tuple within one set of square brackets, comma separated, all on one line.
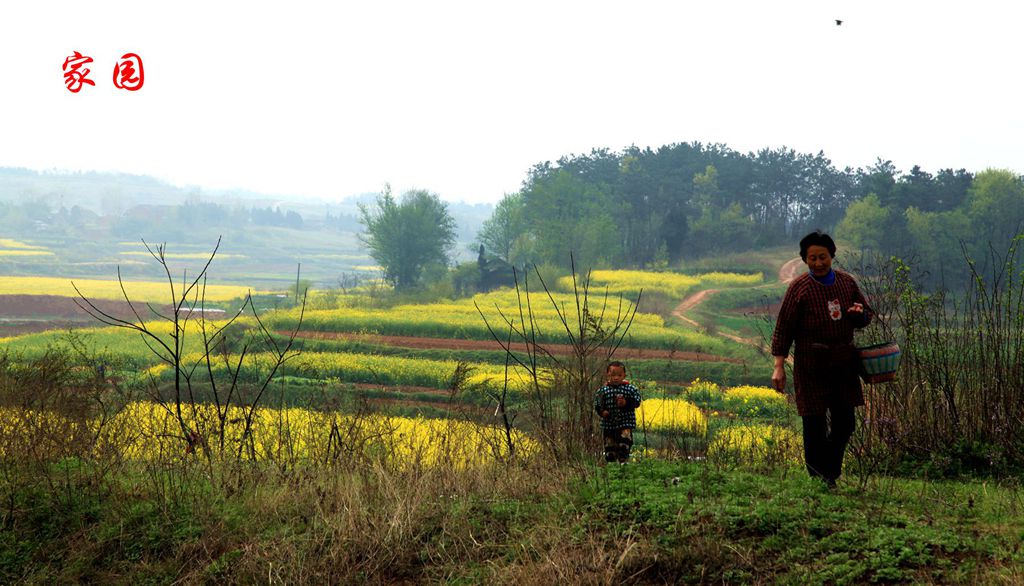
[(640, 207), (649, 207), (275, 217), (934, 220), (173, 221)]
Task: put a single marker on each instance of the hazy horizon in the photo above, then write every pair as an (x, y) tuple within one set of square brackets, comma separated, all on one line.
[(462, 99)]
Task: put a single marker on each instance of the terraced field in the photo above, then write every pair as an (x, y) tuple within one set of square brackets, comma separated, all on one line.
[(405, 357)]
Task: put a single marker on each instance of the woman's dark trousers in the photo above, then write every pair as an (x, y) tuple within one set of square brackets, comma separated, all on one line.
[(825, 439)]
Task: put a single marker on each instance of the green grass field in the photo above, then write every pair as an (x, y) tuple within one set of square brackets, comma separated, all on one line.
[(653, 521), (335, 500)]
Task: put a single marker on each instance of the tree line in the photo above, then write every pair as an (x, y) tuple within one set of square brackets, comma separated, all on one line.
[(934, 222), (644, 208), (33, 215), (650, 208)]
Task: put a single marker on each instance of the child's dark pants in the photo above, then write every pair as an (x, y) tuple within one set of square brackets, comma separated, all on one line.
[(617, 444)]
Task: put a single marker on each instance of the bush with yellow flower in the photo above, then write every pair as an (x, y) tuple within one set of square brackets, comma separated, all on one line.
[(758, 444)]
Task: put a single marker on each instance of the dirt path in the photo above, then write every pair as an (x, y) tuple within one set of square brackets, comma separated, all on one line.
[(691, 302), (787, 272), (790, 270), (560, 349)]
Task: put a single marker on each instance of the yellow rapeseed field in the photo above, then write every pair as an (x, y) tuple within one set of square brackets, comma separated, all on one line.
[(121, 343), (181, 255), (349, 367), (752, 401), (151, 432), (671, 414), (22, 252), (675, 285), (718, 279), (461, 320), (752, 393), (703, 386), (543, 306), (631, 282), (10, 243), (756, 443), (11, 247), (142, 291)]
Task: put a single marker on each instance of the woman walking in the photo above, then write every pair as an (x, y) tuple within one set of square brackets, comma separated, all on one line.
[(819, 313)]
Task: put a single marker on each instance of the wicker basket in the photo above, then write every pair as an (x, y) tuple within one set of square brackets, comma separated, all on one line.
[(879, 362)]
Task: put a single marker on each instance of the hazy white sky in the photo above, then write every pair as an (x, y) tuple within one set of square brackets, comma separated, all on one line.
[(462, 98)]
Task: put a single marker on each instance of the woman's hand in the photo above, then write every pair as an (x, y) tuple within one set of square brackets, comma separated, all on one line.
[(858, 315), (779, 378)]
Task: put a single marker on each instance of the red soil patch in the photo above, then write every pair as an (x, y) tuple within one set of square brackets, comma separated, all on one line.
[(56, 306), (26, 314), (458, 344)]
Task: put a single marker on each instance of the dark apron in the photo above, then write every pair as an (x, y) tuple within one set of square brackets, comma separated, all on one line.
[(834, 361)]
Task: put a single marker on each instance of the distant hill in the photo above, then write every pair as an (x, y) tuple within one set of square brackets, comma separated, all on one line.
[(112, 194), (86, 219)]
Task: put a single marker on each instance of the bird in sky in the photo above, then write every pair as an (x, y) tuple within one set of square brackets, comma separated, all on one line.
[(839, 22)]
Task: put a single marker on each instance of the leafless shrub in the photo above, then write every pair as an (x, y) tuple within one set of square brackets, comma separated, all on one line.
[(957, 400), (350, 280), (54, 411), (559, 404), (227, 345)]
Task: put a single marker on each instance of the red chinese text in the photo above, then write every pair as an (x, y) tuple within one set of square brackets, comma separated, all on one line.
[(128, 73), (75, 75)]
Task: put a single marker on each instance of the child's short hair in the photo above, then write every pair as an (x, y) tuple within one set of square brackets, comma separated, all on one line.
[(615, 363)]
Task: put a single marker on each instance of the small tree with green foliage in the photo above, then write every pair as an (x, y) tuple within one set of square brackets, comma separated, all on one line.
[(566, 214), (995, 207), (408, 236), (935, 238), (500, 233), (865, 224)]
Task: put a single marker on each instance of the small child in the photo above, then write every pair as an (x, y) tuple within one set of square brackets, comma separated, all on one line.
[(616, 403)]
